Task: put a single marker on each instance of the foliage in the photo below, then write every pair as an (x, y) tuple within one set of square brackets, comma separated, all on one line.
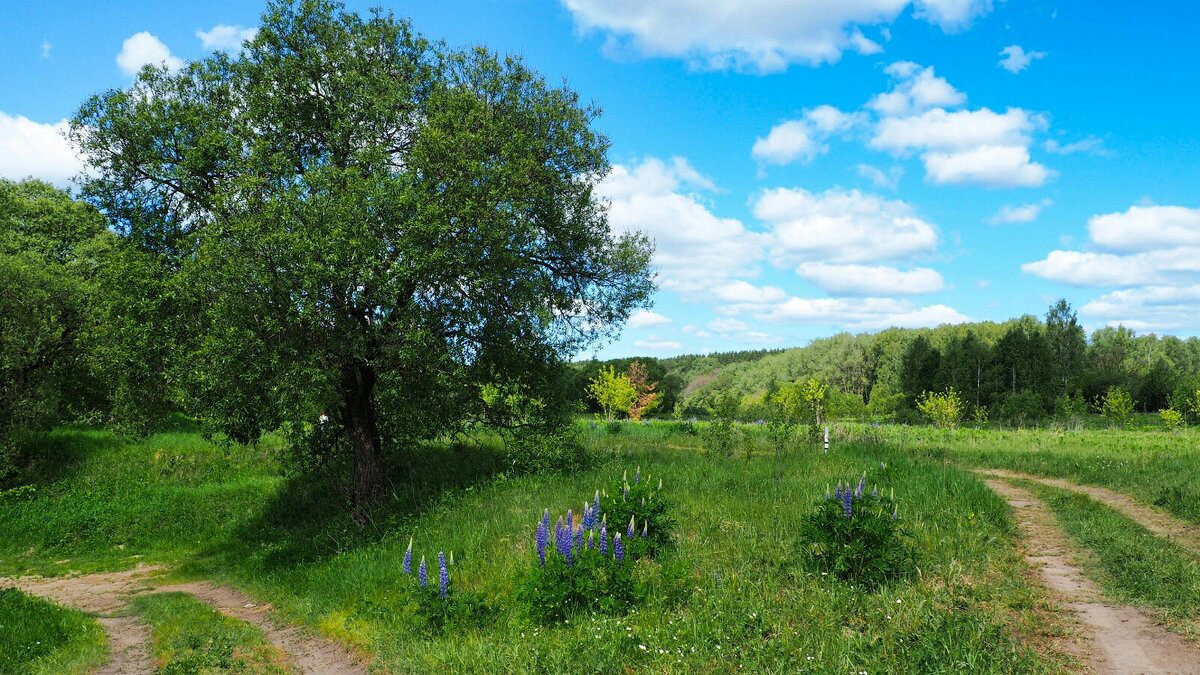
[(1186, 400), (642, 503), (591, 581), (191, 637), (1172, 418), (373, 241), (646, 399), (944, 409), (532, 451), (1116, 405), (855, 535), (40, 638), (613, 391), (1020, 408)]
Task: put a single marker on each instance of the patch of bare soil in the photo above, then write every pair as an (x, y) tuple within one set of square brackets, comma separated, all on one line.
[(107, 596), (1159, 522), (1118, 639)]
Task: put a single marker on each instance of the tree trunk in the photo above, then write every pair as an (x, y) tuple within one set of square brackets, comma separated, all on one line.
[(358, 389)]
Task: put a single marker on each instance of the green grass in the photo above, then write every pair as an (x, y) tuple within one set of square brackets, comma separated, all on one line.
[(191, 637), (1130, 563), (743, 599), (39, 637)]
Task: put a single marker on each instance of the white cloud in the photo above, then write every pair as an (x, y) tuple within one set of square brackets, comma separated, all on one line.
[(727, 325), (987, 165), (1142, 228), (938, 129), (143, 49), (1090, 269), (1025, 213), (32, 149), (695, 250), (915, 89), (862, 313), (862, 280), (1151, 308), (225, 37), (743, 293), (952, 15), (1017, 59), (761, 36), (841, 226), (804, 139), (47, 47), (643, 318), (889, 180), (1090, 145), (658, 345)]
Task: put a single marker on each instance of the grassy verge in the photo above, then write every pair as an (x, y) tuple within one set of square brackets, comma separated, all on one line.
[(191, 637), (39, 637), (1129, 563)]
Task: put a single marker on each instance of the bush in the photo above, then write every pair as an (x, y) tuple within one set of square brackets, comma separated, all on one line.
[(721, 438), (944, 409), (559, 450), (1172, 419), (1020, 408), (1116, 405), (644, 504), (856, 537), (590, 580)]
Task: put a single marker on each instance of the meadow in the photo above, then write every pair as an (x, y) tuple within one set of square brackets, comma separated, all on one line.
[(734, 592)]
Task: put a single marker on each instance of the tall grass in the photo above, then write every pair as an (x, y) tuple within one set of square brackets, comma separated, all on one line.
[(37, 637)]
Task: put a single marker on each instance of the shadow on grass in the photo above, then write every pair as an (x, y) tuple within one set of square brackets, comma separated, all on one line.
[(49, 456), (308, 520)]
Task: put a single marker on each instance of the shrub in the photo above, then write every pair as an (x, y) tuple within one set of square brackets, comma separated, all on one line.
[(855, 536), (944, 409), (1116, 405), (557, 450), (721, 438), (1172, 419), (1020, 408), (643, 503)]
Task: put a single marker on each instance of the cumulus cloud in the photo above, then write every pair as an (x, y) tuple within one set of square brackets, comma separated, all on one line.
[(1142, 228), (1079, 268), (141, 49), (804, 139), (654, 345), (915, 89), (1017, 59), (862, 313), (744, 293), (863, 280), (727, 325), (1150, 308), (37, 150), (879, 178), (761, 36), (695, 249), (980, 147), (224, 37), (643, 318), (1025, 213), (841, 226)]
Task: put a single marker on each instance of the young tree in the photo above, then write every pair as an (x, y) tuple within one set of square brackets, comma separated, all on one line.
[(647, 399), (362, 222), (1067, 345), (613, 391)]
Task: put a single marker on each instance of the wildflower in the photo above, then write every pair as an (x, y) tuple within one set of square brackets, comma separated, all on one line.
[(443, 576), (408, 557), (629, 532), (618, 548), (862, 483), (645, 529), (826, 492), (637, 476), (543, 538), (603, 537), (570, 521), (846, 497), (579, 538), (595, 509), (838, 493), (895, 512), (625, 495), (422, 574), (875, 491), (591, 540)]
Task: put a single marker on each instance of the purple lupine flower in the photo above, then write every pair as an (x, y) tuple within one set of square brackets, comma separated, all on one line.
[(546, 518), (875, 491), (543, 538), (618, 547), (603, 537), (862, 484), (591, 540), (645, 529), (629, 531), (637, 476), (570, 522), (827, 493), (408, 557), (895, 512), (846, 497), (596, 509), (837, 494), (579, 538), (443, 576), (560, 538), (625, 495), (422, 574)]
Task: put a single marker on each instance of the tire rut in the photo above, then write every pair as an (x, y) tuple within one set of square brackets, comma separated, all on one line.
[(1163, 524), (1118, 639), (107, 596)]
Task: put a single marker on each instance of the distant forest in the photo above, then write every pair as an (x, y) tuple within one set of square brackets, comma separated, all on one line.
[(1021, 370)]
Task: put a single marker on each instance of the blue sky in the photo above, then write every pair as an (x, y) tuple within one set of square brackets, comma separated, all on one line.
[(804, 167)]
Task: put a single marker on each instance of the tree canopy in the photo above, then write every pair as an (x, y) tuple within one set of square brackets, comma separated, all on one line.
[(350, 220)]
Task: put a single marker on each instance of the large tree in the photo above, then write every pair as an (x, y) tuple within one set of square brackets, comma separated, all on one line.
[(1067, 343), (362, 225)]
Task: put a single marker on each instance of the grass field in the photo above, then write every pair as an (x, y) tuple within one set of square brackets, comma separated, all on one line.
[(733, 592), (37, 637)]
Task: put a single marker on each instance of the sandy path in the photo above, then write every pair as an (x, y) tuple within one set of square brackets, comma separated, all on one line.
[(108, 595), (1119, 639), (1159, 522)]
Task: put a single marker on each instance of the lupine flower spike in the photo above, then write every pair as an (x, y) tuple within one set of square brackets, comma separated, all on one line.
[(895, 512), (591, 541), (846, 497), (637, 476), (618, 547), (629, 532), (422, 574), (645, 529), (443, 576), (862, 483), (660, 484), (543, 538), (408, 557), (595, 509), (452, 558), (604, 537), (875, 491)]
